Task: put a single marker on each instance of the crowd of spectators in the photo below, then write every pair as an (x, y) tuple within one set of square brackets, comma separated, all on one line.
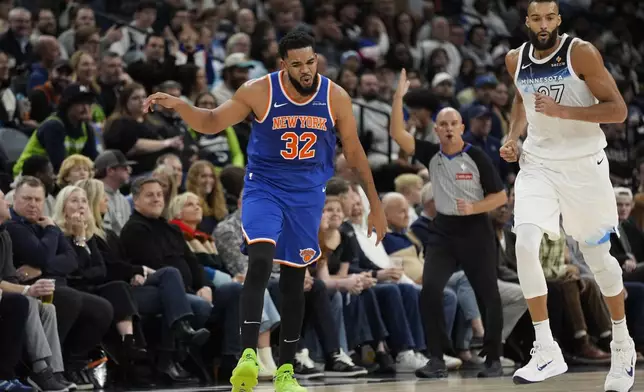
[(120, 230)]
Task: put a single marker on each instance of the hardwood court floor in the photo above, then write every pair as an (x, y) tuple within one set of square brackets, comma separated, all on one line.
[(573, 381)]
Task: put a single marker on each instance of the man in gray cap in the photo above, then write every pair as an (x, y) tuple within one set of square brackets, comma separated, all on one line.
[(113, 169), (235, 73)]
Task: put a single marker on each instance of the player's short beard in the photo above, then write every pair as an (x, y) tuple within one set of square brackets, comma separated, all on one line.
[(304, 91), (543, 45)]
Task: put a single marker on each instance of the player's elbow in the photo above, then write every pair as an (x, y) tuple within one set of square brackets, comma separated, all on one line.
[(621, 113)]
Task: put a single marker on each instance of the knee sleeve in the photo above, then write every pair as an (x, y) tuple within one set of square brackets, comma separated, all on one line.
[(531, 278), (608, 273)]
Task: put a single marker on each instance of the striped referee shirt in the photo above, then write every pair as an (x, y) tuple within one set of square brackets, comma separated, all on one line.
[(469, 175)]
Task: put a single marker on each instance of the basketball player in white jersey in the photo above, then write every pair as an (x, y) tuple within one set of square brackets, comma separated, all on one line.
[(564, 93)]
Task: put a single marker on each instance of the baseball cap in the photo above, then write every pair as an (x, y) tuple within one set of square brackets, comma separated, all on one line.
[(77, 93), (63, 65), (485, 81), (348, 54), (111, 159), (479, 111), (441, 77), (238, 60)]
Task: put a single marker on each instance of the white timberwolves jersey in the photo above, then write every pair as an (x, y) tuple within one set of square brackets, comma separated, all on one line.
[(548, 137)]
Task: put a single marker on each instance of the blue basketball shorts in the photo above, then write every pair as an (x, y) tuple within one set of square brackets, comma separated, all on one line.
[(290, 220)]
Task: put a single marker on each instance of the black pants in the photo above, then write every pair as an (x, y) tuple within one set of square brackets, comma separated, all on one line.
[(13, 317), (83, 320), (119, 295), (465, 242)]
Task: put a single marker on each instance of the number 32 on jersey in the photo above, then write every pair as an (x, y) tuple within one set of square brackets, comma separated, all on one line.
[(292, 149)]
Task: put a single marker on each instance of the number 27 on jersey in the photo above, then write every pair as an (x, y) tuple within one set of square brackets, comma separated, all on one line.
[(293, 150)]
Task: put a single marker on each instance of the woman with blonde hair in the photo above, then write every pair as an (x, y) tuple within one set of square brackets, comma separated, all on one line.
[(74, 168), (186, 213), (203, 181), (155, 292), (73, 215), (166, 177)]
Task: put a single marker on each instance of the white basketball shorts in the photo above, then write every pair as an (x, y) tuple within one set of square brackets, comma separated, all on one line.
[(578, 189)]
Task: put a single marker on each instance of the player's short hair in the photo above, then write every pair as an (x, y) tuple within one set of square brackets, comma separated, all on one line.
[(296, 39), (545, 1), (422, 98)]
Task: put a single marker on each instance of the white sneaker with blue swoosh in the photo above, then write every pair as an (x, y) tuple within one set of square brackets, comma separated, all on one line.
[(547, 361), (621, 376)]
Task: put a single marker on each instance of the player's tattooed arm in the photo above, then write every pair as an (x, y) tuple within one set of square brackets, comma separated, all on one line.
[(588, 64), (518, 119)]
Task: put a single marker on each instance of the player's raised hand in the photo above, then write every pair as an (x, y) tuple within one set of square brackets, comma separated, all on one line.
[(510, 151), (545, 104), (378, 222), (163, 99), (403, 85)]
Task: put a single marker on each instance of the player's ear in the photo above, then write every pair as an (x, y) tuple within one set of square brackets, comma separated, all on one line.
[(282, 64)]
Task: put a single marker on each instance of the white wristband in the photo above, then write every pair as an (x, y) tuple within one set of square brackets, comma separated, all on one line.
[(25, 290)]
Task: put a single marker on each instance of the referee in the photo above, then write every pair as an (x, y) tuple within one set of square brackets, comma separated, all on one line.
[(466, 187)]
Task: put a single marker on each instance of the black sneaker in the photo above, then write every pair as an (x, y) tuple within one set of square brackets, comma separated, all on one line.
[(386, 364), (341, 365), (304, 367), (492, 369), (60, 377), (435, 368), (476, 343), (46, 381)]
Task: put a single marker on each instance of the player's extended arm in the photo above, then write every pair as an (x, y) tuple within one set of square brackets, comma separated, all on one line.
[(355, 155), (210, 121), (589, 65), (518, 119), (397, 129)]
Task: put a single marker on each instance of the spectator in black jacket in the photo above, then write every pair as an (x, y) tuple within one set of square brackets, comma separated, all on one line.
[(628, 246), (41, 250), (15, 41), (156, 67), (150, 240)]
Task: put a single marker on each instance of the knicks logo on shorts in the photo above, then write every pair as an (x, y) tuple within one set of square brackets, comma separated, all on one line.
[(307, 254), (464, 176)]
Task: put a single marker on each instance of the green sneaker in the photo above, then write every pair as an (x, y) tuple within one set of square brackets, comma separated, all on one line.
[(285, 380), (244, 377)]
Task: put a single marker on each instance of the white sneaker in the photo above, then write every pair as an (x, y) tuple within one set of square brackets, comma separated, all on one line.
[(408, 362), (622, 368), (546, 362), (452, 363), (265, 373)]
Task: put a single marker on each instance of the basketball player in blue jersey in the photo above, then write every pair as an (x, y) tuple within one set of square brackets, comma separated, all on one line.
[(290, 158), (563, 93)]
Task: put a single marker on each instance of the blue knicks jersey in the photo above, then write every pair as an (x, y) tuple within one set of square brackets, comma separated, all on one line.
[(293, 146)]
